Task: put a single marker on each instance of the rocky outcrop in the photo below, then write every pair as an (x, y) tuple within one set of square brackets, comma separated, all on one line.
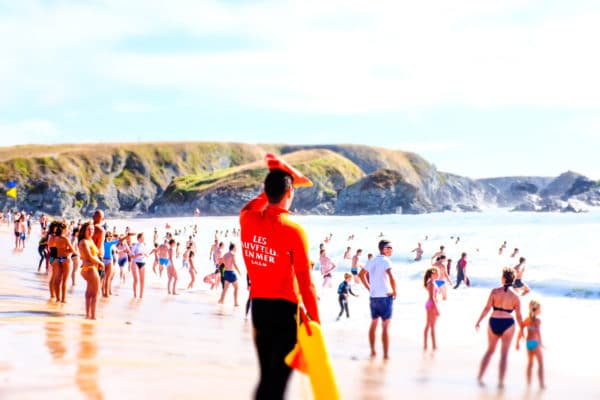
[(219, 178), (382, 192)]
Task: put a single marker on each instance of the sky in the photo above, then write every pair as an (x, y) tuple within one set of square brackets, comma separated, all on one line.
[(478, 88)]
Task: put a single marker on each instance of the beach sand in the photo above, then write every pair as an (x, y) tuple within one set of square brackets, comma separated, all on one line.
[(188, 347)]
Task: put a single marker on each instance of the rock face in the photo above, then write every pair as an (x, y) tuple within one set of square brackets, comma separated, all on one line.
[(219, 178), (382, 192)]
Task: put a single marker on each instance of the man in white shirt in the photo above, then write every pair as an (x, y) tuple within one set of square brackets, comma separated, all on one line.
[(377, 277)]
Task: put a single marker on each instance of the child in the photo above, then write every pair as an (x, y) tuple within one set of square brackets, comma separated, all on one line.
[(533, 342), (343, 289), (431, 309)]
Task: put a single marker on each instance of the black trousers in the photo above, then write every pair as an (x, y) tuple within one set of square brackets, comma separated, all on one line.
[(275, 329), (460, 276), (343, 306)]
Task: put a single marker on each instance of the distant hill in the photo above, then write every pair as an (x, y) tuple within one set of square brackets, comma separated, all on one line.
[(218, 178)]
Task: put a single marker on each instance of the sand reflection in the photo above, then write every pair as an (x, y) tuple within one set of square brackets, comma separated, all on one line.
[(86, 376), (372, 380), (55, 338)]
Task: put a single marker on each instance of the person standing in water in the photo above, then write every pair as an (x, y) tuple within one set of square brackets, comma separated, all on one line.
[(520, 270), (275, 251), (419, 252), (461, 271)]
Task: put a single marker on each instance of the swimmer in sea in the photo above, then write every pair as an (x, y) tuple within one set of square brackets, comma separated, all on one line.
[(419, 252)]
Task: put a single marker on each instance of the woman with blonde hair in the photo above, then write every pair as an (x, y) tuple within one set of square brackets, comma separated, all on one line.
[(90, 263), (533, 341), (431, 308), (503, 300)]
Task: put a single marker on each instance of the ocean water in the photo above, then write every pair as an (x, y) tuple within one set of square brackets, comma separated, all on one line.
[(561, 249)]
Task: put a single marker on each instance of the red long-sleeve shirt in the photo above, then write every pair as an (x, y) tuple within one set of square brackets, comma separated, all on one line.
[(275, 251)]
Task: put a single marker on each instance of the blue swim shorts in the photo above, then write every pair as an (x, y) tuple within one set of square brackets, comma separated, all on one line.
[(229, 276), (381, 307)]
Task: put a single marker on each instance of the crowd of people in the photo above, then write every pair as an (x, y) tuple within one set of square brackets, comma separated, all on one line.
[(278, 266)]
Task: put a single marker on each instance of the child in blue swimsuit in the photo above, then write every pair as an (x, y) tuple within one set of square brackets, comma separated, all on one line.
[(533, 341)]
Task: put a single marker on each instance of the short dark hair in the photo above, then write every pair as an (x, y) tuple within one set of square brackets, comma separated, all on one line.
[(509, 275), (383, 244), (277, 183)]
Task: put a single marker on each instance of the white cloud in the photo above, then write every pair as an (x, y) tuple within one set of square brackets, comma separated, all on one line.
[(330, 57), (30, 131)]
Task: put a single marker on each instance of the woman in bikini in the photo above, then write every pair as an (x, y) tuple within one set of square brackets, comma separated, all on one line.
[(64, 249), (431, 308), (503, 301), (52, 260), (192, 267), (75, 256), (89, 268), (533, 342)]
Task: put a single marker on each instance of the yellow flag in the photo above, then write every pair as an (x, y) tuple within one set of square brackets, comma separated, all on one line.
[(12, 193)]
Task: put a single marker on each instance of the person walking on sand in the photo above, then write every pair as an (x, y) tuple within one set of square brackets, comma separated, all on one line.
[(139, 253), (162, 252), (520, 270), (461, 271), (106, 284), (503, 301), (123, 254), (229, 276), (98, 238), (275, 251), (75, 259), (431, 306), (533, 342), (43, 250), (90, 264), (192, 268), (171, 270), (377, 277), (327, 267), (356, 265), (344, 289)]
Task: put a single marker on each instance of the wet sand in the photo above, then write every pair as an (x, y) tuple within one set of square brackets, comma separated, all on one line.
[(188, 347)]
